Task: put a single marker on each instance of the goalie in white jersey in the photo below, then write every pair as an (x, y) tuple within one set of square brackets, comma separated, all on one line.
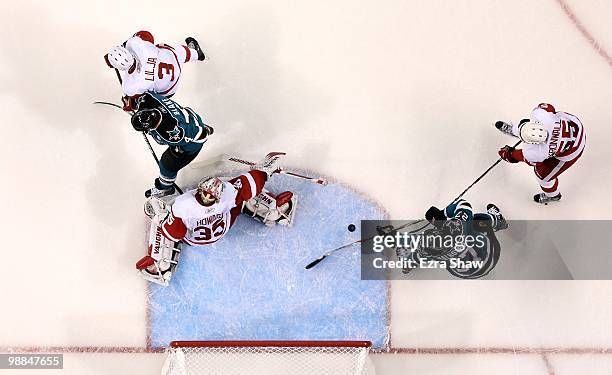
[(204, 215), (145, 66), (553, 142)]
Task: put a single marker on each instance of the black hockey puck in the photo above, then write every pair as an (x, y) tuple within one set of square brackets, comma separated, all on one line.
[(351, 227)]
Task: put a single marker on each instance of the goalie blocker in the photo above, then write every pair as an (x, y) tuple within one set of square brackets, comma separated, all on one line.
[(204, 215)]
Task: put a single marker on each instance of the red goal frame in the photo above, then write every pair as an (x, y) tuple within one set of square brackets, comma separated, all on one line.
[(270, 343)]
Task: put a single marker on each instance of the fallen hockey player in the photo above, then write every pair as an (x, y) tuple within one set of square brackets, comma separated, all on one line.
[(554, 141), (204, 215), (456, 221)]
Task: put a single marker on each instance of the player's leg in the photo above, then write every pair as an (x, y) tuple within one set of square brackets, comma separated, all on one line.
[(188, 52), (547, 174), (171, 162), (163, 254), (271, 209), (493, 218)]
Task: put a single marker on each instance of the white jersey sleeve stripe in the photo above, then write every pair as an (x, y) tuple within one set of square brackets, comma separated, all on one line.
[(252, 184)]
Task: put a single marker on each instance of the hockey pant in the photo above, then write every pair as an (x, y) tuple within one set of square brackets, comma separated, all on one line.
[(548, 171), (173, 160)]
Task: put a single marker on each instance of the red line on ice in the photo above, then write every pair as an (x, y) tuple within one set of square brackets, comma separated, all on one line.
[(588, 36)]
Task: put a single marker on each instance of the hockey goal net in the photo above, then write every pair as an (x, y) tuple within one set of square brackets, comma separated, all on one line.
[(268, 357)]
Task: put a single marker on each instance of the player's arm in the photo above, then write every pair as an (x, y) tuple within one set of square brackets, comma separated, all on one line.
[(459, 209), (173, 227), (249, 185), (530, 154), (195, 128)]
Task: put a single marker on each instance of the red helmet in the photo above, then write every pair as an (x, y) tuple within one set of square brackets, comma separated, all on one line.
[(547, 107)]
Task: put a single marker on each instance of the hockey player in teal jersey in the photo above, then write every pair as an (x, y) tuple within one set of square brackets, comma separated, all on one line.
[(179, 128), (458, 221)]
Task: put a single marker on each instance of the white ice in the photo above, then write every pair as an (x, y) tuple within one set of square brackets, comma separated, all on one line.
[(395, 98)]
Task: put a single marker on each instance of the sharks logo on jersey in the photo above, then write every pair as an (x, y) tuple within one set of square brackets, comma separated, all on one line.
[(163, 135), (179, 126), (176, 134)]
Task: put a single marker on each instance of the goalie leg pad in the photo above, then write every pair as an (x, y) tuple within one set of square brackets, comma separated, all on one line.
[(163, 254), (270, 209)]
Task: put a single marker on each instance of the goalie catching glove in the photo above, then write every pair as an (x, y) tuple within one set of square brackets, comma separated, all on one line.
[(269, 163)]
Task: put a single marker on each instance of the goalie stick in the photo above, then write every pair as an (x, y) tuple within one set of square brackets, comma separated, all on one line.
[(320, 181), (319, 259), (146, 139)]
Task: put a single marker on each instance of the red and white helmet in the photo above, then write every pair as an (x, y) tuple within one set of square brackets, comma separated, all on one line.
[(120, 58), (533, 133), (210, 189)]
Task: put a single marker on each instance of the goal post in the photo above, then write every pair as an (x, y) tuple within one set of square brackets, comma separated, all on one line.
[(268, 357)]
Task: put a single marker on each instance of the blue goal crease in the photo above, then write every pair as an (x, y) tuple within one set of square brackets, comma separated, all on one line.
[(252, 285)]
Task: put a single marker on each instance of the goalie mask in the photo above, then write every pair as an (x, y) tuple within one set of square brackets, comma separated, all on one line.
[(210, 190), (146, 119), (533, 133)]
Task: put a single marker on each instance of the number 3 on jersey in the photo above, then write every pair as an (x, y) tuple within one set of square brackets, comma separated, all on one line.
[(206, 233), (168, 68)]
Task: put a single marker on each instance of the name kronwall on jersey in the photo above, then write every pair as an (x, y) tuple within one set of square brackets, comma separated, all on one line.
[(554, 142)]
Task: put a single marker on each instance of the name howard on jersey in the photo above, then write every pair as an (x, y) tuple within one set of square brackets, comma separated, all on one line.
[(210, 219)]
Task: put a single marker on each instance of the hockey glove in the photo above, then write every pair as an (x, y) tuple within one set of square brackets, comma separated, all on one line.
[(129, 103), (269, 163), (506, 154)]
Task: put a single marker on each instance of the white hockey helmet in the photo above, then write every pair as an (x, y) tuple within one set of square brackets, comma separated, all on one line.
[(533, 133), (120, 58), (210, 190)]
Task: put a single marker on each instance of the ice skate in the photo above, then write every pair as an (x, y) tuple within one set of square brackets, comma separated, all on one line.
[(545, 199), (159, 190), (192, 43), (504, 127)]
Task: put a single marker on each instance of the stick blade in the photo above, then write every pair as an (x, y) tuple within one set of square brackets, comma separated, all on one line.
[(315, 262)]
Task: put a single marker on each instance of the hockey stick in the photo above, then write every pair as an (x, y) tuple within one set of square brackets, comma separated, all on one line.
[(144, 135), (320, 181), (108, 103), (484, 174), (319, 259)]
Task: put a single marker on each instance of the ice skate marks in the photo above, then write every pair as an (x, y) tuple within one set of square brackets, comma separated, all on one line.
[(252, 285)]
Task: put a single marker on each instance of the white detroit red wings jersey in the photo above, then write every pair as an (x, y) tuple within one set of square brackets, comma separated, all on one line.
[(158, 67), (566, 136), (197, 224)]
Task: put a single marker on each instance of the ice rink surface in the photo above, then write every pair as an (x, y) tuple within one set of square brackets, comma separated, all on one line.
[(395, 100)]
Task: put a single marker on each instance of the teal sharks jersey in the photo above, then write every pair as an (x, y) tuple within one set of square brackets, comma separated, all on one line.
[(180, 126)]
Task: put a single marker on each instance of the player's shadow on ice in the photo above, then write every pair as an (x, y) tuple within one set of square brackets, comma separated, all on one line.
[(57, 85), (256, 101)]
